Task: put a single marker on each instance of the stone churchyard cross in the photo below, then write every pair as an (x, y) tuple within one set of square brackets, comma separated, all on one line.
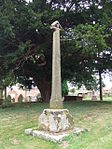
[(56, 119), (54, 123)]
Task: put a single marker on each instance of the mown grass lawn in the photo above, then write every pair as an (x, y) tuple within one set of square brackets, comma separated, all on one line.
[(87, 114)]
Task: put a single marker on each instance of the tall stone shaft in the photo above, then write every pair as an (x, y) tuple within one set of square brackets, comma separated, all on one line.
[(56, 94), (56, 119)]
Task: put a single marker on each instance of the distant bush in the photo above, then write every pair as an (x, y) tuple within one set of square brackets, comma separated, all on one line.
[(39, 98), (39, 95), (65, 89), (7, 102)]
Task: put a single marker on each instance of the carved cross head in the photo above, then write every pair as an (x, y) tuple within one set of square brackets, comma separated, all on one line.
[(56, 25)]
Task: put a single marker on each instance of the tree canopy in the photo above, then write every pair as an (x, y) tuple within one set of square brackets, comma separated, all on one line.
[(26, 41)]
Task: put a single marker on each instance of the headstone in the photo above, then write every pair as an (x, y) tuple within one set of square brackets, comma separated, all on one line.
[(94, 98), (20, 98), (9, 98)]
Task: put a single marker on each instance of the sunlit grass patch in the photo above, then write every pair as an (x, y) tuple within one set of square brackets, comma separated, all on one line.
[(95, 116)]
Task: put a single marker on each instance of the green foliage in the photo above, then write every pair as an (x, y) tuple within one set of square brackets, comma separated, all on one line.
[(7, 102), (39, 98), (26, 40), (90, 38), (64, 88)]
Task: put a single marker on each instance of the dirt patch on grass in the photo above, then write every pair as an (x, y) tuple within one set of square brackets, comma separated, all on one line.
[(64, 144), (15, 141)]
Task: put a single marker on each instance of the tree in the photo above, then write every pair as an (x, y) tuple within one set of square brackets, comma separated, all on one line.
[(92, 40), (64, 88), (26, 40)]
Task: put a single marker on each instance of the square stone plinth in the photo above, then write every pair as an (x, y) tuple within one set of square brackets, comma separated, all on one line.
[(54, 137), (49, 136), (54, 125), (56, 120)]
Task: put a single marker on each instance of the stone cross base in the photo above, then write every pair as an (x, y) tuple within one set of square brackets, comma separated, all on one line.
[(58, 137), (55, 137), (56, 120)]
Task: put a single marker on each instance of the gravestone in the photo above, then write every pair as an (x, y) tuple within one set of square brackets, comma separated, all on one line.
[(13, 100), (8, 99), (20, 98), (94, 98)]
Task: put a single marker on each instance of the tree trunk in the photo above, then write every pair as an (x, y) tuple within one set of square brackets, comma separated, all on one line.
[(5, 90), (1, 94), (45, 89), (100, 82)]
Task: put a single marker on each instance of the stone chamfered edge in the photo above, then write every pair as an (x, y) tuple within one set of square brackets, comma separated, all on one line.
[(56, 120), (54, 137), (54, 125)]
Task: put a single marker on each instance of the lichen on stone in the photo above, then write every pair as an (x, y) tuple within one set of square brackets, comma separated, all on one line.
[(54, 120)]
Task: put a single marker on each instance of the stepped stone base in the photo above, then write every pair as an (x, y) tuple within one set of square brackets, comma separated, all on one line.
[(54, 125), (56, 120), (54, 137)]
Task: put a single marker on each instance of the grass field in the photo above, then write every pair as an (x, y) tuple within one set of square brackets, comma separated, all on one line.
[(97, 116)]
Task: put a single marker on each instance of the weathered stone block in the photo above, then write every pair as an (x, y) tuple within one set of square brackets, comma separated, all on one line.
[(56, 120), (50, 137), (77, 130), (55, 137), (28, 131)]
